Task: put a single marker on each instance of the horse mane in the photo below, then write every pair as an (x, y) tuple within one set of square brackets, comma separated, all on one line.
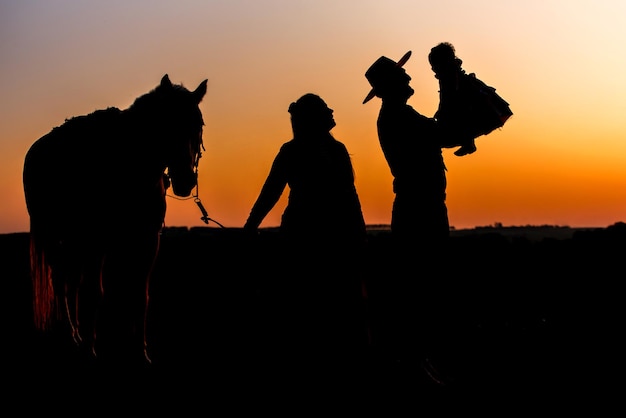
[(167, 99), (161, 94)]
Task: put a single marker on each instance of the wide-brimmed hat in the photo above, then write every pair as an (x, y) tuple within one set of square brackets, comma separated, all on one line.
[(382, 69)]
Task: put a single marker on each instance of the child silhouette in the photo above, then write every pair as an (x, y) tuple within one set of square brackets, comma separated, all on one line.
[(452, 104)]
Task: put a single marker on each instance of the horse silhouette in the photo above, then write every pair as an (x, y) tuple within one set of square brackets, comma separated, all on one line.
[(95, 190)]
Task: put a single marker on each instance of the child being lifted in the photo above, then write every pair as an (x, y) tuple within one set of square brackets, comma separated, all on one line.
[(468, 107)]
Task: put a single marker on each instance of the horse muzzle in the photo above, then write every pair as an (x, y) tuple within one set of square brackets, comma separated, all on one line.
[(182, 185)]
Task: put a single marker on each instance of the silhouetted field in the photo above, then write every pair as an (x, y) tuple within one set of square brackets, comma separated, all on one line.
[(536, 312)]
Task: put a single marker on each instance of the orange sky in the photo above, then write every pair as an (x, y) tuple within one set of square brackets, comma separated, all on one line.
[(560, 160)]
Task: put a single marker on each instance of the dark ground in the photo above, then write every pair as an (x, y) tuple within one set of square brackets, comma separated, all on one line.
[(538, 329)]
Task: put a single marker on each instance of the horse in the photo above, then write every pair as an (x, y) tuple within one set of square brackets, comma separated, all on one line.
[(95, 190)]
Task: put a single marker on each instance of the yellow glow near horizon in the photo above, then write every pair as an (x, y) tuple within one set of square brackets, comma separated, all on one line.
[(560, 160)]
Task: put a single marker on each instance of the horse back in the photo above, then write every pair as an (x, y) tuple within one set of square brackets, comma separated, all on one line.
[(90, 169)]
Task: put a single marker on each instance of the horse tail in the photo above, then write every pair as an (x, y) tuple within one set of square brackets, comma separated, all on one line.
[(41, 276)]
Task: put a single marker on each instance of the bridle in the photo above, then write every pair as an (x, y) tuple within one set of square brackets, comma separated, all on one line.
[(195, 195)]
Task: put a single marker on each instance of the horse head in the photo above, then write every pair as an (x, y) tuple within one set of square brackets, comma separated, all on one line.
[(182, 130)]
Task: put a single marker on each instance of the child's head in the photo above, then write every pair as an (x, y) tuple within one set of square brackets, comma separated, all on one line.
[(442, 57)]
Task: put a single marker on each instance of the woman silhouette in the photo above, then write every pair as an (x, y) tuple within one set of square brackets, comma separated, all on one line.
[(323, 202), (315, 299)]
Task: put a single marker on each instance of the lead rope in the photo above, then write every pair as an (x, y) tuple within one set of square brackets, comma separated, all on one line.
[(205, 215)]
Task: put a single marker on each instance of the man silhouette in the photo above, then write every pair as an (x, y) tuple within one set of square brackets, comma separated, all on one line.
[(412, 144)]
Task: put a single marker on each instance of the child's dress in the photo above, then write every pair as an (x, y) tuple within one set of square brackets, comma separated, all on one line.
[(468, 108)]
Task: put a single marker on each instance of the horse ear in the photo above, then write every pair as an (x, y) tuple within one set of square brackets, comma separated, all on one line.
[(200, 91), (165, 81)]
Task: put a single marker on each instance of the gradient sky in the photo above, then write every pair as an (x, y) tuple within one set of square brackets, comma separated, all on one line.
[(561, 64)]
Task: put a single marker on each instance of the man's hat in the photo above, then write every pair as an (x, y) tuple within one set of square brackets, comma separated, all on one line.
[(382, 69)]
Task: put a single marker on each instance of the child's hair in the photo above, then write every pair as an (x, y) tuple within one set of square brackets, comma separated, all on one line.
[(443, 55)]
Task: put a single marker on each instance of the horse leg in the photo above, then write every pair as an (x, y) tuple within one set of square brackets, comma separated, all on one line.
[(126, 293), (70, 303), (81, 290), (65, 282), (145, 265), (90, 298)]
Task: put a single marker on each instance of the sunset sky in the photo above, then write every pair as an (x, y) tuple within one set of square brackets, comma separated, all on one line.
[(561, 64)]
